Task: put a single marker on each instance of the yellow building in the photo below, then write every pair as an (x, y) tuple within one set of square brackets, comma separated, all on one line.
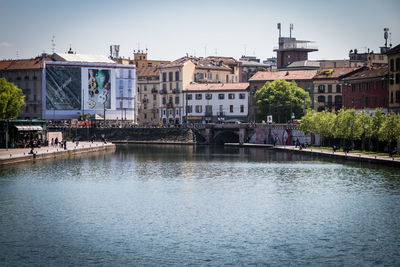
[(394, 78), (148, 95), (140, 60)]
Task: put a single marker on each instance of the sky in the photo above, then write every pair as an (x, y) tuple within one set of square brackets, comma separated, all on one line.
[(170, 29)]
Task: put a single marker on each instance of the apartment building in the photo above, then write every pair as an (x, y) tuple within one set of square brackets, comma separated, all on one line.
[(26, 74), (366, 89), (216, 102), (177, 75), (148, 95), (327, 93), (394, 78)]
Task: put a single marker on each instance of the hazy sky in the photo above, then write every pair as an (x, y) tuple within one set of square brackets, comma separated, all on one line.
[(170, 29)]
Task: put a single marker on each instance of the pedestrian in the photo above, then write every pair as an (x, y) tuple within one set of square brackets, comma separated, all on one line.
[(52, 142), (56, 141), (65, 144)]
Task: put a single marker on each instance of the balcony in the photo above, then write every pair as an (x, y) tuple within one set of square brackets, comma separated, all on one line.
[(163, 91), (170, 105), (145, 100), (176, 91), (154, 90), (221, 114)]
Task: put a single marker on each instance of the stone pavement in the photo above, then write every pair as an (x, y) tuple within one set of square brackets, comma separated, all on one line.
[(22, 154), (344, 155)]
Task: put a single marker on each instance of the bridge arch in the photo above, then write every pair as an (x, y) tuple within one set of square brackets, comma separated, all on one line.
[(227, 136)]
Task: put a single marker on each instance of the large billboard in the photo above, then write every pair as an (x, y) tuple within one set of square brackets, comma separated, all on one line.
[(98, 91), (63, 88)]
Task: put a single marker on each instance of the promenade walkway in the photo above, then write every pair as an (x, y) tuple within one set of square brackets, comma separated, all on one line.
[(22, 154)]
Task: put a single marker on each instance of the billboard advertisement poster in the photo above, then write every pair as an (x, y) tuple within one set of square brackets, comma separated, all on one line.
[(63, 88), (98, 90)]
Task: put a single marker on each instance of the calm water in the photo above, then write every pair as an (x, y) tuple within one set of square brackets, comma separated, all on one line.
[(163, 205)]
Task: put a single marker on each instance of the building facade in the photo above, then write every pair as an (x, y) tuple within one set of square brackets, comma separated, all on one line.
[(26, 74), (327, 93), (177, 75), (216, 102), (394, 78), (148, 95), (366, 89)]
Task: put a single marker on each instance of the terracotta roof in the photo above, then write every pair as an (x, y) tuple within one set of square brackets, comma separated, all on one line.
[(34, 63), (200, 63), (284, 75), (147, 71), (4, 64), (217, 87), (368, 74), (226, 60), (333, 73), (394, 50)]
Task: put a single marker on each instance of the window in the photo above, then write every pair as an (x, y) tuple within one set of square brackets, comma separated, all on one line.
[(189, 97), (391, 97), (199, 109), (170, 76), (242, 96), (231, 108), (129, 83), (338, 88), (398, 64), (321, 99), (177, 85), (145, 115), (329, 100), (383, 84), (164, 100), (208, 96), (397, 96), (397, 78), (164, 87), (366, 101), (321, 88), (210, 76), (189, 109), (353, 87), (255, 88), (199, 96), (176, 99), (359, 87), (375, 100), (164, 77), (208, 110), (367, 86), (177, 76), (145, 88), (241, 108), (392, 64), (170, 86), (154, 97), (144, 106), (307, 87), (374, 85), (217, 77), (329, 88), (231, 96), (221, 96)]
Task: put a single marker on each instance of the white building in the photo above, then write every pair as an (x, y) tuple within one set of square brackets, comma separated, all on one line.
[(216, 102)]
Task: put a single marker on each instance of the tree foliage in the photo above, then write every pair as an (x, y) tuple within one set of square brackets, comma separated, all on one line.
[(279, 98), (351, 125), (11, 100)]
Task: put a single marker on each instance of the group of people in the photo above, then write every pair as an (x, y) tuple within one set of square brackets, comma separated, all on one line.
[(55, 142)]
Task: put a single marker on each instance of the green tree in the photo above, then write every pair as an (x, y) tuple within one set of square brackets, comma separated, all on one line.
[(346, 126), (279, 98), (325, 122), (11, 100), (308, 123), (390, 130), (364, 121)]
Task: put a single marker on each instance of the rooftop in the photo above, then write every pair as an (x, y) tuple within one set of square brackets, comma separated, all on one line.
[(24, 64), (217, 87), (148, 71), (283, 75), (333, 73), (200, 63), (82, 58), (368, 74)]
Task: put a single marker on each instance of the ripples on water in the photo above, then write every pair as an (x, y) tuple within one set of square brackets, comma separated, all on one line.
[(181, 205)]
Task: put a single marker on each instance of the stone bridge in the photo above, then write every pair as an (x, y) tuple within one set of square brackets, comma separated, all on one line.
[(238, 133)]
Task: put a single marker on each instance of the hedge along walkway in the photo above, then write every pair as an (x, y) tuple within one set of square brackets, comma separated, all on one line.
[(373, 158), (16, 155)]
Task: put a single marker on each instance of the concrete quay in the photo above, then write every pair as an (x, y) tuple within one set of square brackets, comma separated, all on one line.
[(360, 157), (17, 155)]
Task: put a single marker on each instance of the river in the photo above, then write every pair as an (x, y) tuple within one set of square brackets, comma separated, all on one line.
[(185, 205)]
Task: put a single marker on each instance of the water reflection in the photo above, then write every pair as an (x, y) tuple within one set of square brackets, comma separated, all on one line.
[(176, 205)]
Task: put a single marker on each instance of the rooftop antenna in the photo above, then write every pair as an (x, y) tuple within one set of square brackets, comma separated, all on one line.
[(279, 28), (386, 35), (53, 44), (390, 39), (291, 29)]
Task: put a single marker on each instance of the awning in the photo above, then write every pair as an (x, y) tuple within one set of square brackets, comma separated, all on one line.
[(29, 128)]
